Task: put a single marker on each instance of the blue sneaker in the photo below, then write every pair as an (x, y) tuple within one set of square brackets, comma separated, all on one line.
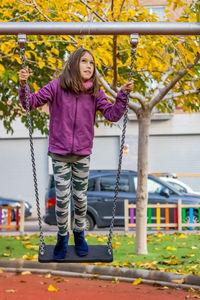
[(81, 245), (60, 250)]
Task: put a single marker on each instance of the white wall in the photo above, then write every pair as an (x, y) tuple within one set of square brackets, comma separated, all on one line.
[(16, 179)]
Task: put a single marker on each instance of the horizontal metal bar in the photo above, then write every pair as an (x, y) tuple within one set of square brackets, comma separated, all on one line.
[(99, 28)]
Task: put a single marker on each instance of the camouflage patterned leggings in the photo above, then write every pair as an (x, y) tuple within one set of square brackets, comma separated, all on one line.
[(63, 174)]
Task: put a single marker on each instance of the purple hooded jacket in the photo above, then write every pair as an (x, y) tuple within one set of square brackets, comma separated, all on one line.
[(72, 117)]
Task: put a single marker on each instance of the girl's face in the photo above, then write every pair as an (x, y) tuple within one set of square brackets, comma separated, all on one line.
[(86, 66)]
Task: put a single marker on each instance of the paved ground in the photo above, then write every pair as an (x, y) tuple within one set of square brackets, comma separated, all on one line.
[(34, 286)]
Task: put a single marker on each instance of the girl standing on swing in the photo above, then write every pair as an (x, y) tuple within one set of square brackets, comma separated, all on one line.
[(73, 100)]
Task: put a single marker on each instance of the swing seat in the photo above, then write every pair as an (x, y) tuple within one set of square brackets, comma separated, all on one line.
[(96, 253)]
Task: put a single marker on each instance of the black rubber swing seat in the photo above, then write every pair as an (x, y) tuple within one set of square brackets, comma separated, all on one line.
[(96, 253)]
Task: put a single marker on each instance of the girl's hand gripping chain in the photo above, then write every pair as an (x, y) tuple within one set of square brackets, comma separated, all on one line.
[(23, 76), (128, 86)]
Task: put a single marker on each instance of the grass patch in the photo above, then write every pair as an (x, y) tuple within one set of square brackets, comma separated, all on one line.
[(178, 252)]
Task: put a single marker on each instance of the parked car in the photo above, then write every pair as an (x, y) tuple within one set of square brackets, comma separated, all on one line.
[(100, 197), (179, 185), (12, 202)]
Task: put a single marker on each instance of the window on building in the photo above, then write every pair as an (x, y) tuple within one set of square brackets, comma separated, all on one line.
[(158, 10)]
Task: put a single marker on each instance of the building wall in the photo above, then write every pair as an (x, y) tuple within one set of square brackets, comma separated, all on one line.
[(152, 2), (16, 177), (174, 145)]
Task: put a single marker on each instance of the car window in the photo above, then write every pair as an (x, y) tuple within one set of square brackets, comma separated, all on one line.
[(153, 186), (177, 186), (108, 183), (91, 184)]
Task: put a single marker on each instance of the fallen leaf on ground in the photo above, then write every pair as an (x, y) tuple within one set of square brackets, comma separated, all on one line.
[(58, 279), (182, 236), (6, 254), (1, 271), (191, 290), (179, 281), (51, 288), (25, 273), (170, 248), (48, 275), (116, 280), (137, 281), (10, 291)]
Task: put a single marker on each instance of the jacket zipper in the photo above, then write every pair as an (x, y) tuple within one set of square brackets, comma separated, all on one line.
[(74, 126)]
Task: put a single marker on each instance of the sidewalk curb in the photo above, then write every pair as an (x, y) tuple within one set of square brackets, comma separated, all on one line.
[(103, 272)]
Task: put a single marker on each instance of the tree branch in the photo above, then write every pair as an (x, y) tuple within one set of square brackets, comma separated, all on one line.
[(94, 12), (47, 18), (106, 85), (160, 84), (167, 88), (132, 105), (175, 95), (39, 10)]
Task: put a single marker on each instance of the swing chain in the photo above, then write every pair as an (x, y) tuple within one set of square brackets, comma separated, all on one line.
[(22, 42), (134, 42)]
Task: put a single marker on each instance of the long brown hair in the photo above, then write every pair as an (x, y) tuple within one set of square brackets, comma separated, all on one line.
[(70, 78)]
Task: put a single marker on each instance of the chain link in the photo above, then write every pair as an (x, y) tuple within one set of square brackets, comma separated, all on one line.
[(109, 244), (42, 243)]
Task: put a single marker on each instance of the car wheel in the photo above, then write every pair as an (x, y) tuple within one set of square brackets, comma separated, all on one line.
[(195, 220), (89, 223)]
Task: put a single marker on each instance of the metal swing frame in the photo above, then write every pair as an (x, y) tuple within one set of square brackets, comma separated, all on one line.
[(96, 253)]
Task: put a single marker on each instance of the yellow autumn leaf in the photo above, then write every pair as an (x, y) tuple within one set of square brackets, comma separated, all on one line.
[(126, 263), (6, 254), (26, 237), (115, 245), (179, 281), (17, 58), (51, 288), (159, 234), (170, 248), (55, 51), (10, 291), (130, 243), (1, 271), (137, 281), (2, 69), (100, 240), (31, 45), (194, 247), (41, 64), (58, 279), (191, 290), (28, 257), (116, 280), (182, 236), (51, 60), (25, 273), (48, 275)]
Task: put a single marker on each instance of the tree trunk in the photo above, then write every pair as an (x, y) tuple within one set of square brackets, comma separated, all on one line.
[(144, 120)]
